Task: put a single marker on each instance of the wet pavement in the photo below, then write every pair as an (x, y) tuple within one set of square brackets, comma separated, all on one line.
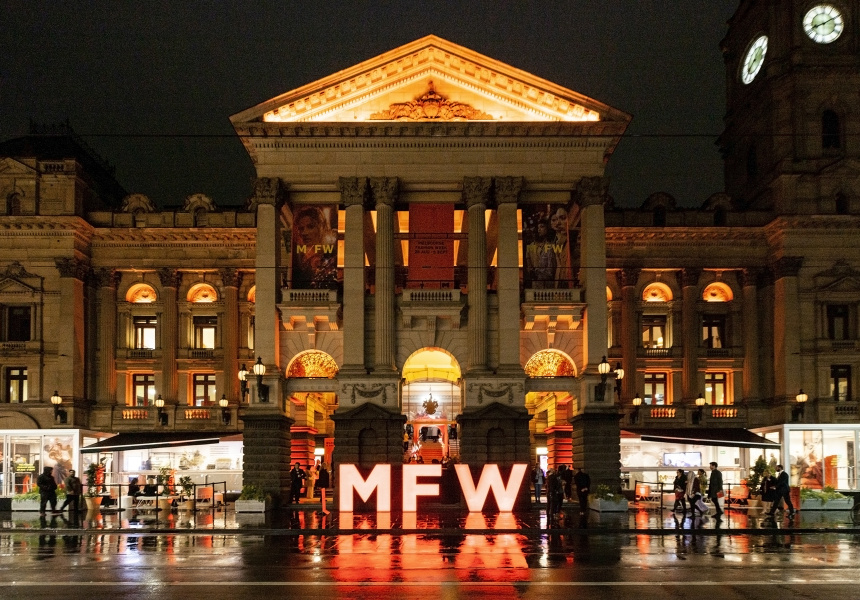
[(439, 552)]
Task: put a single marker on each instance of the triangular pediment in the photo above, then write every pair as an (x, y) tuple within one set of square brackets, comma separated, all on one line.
[(844, 168), (430, 79), (15, 287), (14, 168), (845, 284)]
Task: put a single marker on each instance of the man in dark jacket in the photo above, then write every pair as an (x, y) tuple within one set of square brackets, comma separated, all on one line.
[(47, 490), (582, 481), (783, 492), (297, 476), (715, 488), (73, 493)]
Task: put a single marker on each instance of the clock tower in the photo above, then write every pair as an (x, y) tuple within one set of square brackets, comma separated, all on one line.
[(791, 142)]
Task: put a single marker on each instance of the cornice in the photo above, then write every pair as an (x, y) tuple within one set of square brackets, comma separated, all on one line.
[(729, 237), (227, 237)]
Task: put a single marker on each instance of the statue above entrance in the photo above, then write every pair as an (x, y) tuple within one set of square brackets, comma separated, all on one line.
[(431, 107)]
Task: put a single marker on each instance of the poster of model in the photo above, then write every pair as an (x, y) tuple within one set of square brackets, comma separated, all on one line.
[(546, 252), (315, 247)]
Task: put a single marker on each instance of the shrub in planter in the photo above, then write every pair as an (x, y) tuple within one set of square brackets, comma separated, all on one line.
[(253, 499), (825, 499), (604, 499)]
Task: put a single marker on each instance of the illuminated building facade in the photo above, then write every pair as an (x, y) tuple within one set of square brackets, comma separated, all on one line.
[(430, 265)]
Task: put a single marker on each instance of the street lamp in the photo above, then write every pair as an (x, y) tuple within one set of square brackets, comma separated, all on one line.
[(162, 414), (637, 402), (243, 382), (600, 390), (259, 371), (700, 409), (798, 411), (225, 412), (619, 375), (59, 414)]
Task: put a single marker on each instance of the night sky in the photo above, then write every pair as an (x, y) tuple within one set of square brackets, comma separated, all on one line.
[(151, 85)]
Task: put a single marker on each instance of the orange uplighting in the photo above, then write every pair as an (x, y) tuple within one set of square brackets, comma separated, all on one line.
[(491, 479)]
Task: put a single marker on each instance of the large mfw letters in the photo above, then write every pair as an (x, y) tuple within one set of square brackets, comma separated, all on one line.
[(379, 481)]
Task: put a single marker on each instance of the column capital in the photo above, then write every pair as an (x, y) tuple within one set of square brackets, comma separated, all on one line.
[(591, 191), (72, 267), (230, 277), (107, 278), (787, 266), (749, 276), (169, 277), (267, 190), (384, 190), (688, 277), (508, 189), (353, 190), (476, 191), (627, 277)]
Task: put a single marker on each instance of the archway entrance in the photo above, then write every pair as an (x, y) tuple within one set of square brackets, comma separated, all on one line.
[(432, 399)]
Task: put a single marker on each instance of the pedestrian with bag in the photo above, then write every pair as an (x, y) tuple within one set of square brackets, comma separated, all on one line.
[(783, 492), (715, 489)]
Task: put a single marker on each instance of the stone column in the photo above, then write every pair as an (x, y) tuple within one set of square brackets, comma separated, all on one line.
[(107, 281), (353, 192), (476, 192), (384, 195), (231, 279), (170, 279), (750, 340), (70, 332), (629, 335), (591, 192), (689, 280), (269, 196), (786, 325), (507, 196), (267, 439)]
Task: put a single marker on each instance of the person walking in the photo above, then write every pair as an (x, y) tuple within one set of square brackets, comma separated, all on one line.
[(694, 493), (783, 492), (715, 489), (554, 493), (47, 490), (322, 482), (310, 480), (680, 486), (582, 481), (74, 489), (297, 476), (567, 482), (538, 479)]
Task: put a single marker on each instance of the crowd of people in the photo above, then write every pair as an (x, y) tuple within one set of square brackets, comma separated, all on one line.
[(561, 483), (314, 480)]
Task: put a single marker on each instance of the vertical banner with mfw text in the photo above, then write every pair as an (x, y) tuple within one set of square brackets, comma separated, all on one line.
[(315, 247), (546, 251)]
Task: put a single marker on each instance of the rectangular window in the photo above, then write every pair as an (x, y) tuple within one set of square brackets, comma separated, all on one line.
[(655, 388), (18, 324), (837, 322), (204, 332), (144, 389), (714, 331), (16, 385), (654, 331), (204, 389), (715, 388), (144, 333), (840, 383)]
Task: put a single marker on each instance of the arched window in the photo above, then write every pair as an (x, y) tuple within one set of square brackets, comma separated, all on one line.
[(313, 363), (831, 138), (717, 292), (202, 292), (140, 293), (550, 363), (657, 292)]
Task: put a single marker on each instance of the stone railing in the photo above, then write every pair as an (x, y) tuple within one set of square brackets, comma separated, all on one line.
[(310, 296), (551, 295), (201, 353), (410, 295), (198, 414), (724, 413), (135, 414), (139, 353), (662, 412)]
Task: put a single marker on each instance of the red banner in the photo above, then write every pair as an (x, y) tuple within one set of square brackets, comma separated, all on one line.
[(431, 246), (315, 247)]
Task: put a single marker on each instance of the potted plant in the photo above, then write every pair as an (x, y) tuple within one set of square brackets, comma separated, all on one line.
[(30, 500), (253, 499), (602, 499), (754, 481), (95, 474), (824, 499), (187, 486)]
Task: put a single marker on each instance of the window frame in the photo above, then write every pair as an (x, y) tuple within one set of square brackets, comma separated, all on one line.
[(714, 380), (9, 320), (709, 321), (647, 323), (145, 381), (13, 375), (207, 381), (832, 322), (652, 379), (201, 324), (839, 373), (140, 324)]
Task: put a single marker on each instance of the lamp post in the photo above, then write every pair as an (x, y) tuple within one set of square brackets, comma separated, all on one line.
[(59, 414), (700, 409), (259, 371), (225, 411), (243, 383), (600, 389), (619, 375), (637, 402), (798, 411), (162, 414)]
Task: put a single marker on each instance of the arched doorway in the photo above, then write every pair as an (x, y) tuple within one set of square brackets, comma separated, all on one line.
[(431, 401), (551, 374)]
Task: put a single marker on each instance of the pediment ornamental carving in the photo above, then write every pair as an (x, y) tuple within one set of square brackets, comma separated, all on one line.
[(432, 106)]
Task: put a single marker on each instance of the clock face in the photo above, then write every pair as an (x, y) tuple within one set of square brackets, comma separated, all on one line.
[(753, 59), (823, 23)]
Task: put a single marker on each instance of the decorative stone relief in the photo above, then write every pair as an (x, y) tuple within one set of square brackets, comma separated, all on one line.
[(432, 106), (137, 203), (379, 391), (353, 190), (267, 190), (495, 393), (476, 190), (71, 267), (591, 191)]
